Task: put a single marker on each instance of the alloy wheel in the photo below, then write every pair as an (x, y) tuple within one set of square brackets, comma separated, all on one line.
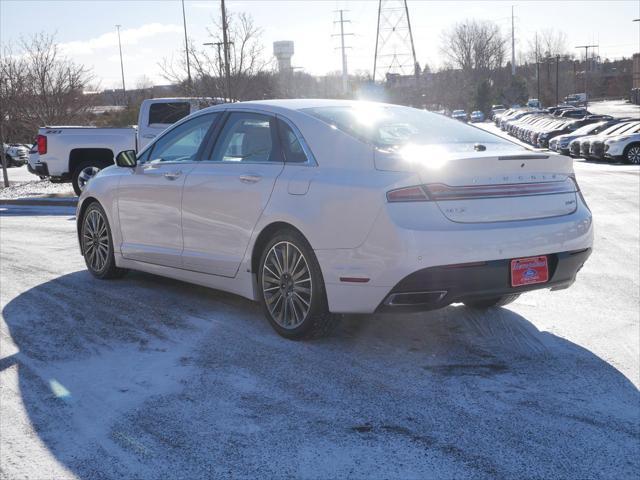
[(85, 175), (95, 239), (287, 285), (633, 155)]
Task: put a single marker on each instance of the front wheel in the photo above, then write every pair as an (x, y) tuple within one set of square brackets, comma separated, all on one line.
[(492, 302), (292, 289), (97, 244), (632, 155)]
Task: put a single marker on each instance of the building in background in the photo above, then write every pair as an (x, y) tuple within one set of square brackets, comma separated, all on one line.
[(283, 51)]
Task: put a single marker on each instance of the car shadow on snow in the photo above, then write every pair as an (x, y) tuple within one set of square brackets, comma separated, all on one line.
[(147, 377)]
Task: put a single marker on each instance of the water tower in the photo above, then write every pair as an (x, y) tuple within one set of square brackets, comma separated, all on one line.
[(283, 51)]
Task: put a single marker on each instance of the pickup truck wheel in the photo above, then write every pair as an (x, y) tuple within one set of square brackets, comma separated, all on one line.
[(97, 244), (83, 173)]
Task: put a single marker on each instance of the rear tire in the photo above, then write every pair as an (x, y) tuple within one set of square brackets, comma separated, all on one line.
[(97, 244), (83, 173), (292, 290), (492, 302), (632, 154)]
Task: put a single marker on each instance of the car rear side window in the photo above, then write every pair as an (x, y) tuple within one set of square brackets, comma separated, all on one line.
[(292, 145), (168, 113), (247, 137)]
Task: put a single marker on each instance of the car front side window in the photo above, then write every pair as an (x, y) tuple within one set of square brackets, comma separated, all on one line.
[(183, 142)]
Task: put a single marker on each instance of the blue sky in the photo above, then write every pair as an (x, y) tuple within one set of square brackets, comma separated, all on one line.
[(152, 29)]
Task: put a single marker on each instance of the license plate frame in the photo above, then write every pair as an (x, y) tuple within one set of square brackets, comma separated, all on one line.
[(529, 271)]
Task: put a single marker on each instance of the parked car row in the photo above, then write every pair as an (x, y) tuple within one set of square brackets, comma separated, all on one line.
[(574, 131), (16, 154), (619, 141)]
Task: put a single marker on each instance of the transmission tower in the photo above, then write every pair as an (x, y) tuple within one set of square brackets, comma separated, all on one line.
[(395, 52)]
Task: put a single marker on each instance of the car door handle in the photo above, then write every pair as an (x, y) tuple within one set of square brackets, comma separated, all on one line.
[(149, 135), (250, 178), (172, 175)]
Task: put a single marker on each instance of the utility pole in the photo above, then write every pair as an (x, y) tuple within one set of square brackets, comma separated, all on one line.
[(586, 68), (345, 75), (124, 91), (225, 40), (3, 156), (186, 46), (513, 46), (375, 56), (395, 51), (416, 71), (537, 68), (557, 79), (220, 61)]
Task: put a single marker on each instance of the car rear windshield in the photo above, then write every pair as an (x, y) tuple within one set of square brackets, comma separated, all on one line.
[(388, 126), (168, 113)]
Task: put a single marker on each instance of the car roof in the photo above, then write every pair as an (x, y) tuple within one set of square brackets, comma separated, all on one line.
[(302, 103)]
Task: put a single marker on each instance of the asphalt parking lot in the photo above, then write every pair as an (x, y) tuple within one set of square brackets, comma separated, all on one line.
[(147, 377)]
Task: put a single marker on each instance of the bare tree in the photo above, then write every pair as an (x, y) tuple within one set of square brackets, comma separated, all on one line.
[(41, 87), (246, 61), (474, 46), (550, 43), (38, 86)]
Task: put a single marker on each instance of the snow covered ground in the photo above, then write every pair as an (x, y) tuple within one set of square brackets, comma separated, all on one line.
[(615, 108), (146, 377), (23, 184)]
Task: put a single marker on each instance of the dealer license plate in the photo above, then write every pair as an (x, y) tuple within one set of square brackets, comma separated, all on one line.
[(528, 271)]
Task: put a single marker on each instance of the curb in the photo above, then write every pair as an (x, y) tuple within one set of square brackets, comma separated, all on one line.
[(40, 202)]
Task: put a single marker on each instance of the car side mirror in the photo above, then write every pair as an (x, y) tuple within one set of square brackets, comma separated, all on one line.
[(126, 158)]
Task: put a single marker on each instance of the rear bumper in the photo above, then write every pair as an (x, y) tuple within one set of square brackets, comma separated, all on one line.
[(437, 287), (397, 248), (38, 169)]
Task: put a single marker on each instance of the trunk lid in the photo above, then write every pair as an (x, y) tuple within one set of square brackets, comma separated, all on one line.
[(495, 185)]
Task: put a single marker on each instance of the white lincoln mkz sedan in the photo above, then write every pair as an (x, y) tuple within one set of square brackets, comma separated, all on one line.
[(321, 207)]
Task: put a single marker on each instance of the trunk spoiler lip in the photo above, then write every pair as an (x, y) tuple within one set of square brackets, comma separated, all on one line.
[(524, 157)]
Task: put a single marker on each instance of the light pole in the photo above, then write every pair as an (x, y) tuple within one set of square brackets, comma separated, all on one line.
[(186, 45), (225, 45), (586, 67), (124, 92), (220, 62)]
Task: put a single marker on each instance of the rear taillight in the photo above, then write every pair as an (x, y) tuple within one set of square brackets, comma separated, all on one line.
[(415, 193), (42, 144)]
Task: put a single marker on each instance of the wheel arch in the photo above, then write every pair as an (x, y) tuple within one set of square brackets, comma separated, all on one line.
[(265, 235), (103, 156)]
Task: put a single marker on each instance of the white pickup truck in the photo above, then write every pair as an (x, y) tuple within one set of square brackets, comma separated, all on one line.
[(75, 154)]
